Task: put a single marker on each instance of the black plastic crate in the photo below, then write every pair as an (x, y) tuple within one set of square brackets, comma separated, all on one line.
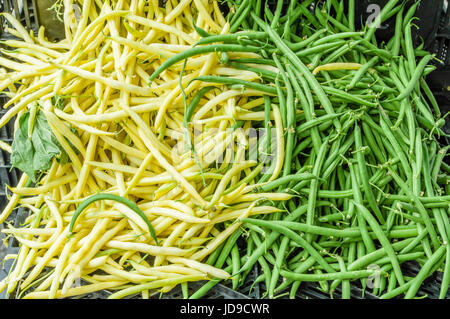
[(8, 176)]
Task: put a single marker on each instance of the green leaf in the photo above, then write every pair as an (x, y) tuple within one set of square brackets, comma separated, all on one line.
[(45, 148), (35, 154), (23, 151)]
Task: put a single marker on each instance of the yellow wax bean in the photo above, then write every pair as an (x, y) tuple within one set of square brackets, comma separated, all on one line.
[(146, 248), (337, 66)]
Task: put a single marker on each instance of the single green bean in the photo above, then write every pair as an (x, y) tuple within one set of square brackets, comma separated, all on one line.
[(116, 198), (418, 72), (201, 50), (424, 272), (383, 240), (239, 82)]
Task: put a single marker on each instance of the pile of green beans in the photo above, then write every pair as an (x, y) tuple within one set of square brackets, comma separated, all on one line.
[(363, 155)]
